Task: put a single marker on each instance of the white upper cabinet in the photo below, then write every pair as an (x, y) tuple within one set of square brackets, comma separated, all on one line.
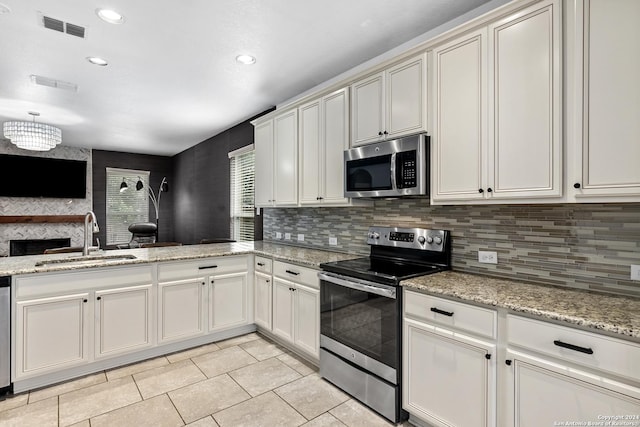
[(276, 146), (606, 153), (497, 110), (459, 138), (323, 137), (391, 103)]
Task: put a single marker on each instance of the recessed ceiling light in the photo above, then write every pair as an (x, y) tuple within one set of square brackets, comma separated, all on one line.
[(4, 9), (97, 61), (110, 16), (246, 59)]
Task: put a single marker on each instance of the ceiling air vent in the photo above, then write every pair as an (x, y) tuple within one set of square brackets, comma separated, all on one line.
[(63, 27), (58, 84)]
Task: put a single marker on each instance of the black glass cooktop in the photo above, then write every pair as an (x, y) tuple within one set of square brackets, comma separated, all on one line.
[(380, 270)]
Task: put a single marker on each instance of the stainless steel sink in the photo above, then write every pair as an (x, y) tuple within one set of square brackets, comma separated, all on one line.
[(86, 260)]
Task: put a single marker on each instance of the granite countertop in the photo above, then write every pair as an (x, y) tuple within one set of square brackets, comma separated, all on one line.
[(10, 266), (613, 314)]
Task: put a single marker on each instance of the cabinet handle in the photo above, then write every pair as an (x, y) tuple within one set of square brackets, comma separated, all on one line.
[(99, 298), (489, 190), (487, 356), (295, 273), (261, 264), (446, 313), (205, 267), (576, 185), (573, 347), (508, 362), (480, 190)]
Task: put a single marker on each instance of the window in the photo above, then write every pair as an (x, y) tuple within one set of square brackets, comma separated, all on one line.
[(127, 207), (242, 193)]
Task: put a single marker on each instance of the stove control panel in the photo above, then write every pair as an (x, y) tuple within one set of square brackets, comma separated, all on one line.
[(412, 238)]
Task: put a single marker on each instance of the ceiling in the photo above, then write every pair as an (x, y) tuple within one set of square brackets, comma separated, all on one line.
[(172, 80)]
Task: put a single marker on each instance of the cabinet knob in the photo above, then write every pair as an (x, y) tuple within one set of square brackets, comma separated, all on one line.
[(267, 280), (487, 356), (84, 300), (489, 190), (576, 185), (203, 283), (386, 133), (380, 133), (99, 298), (508, 362), (480, 190), (213, 281)]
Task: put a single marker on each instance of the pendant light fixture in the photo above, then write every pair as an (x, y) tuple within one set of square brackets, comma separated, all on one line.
[(32, 135)]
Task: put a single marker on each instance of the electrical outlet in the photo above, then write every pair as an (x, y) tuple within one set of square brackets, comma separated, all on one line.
[(300, 237), (487, 257), (333, 241), (635, 272), (287, 236), (278, 235)]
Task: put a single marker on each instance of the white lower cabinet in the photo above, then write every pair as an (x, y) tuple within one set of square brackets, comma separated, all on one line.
[(181, 309), (124, 320), (448, 376), (262, 297), (555, 374), (227, 301), (296, 307), (51, 333)]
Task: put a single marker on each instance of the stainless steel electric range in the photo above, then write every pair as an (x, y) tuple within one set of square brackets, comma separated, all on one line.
[(361, 313)]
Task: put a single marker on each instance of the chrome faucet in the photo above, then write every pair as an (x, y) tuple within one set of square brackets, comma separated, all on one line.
[(89, 221)]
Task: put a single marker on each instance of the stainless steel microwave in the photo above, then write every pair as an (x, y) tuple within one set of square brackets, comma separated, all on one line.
[(392, 168)]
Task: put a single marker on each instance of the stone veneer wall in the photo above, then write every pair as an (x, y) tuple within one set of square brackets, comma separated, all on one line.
[(38, 206), (589, 246)]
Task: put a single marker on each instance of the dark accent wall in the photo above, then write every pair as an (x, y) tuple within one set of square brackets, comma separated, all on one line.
[(202, 191), (159, 167)]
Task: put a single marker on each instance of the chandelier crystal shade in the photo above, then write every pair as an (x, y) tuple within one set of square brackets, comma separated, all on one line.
[(31, 135)]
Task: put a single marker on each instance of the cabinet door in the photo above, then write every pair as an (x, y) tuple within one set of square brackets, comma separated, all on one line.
[(406, 98), (262, 300), (310, 160), (123, 320), (445, 372), (546, 393), (459, 142), (307, 319), (51, 334), (286, 159), (227, 301), (181, 309), (367, 110), (263, 140), (609, 155), (283, 308), (335, 136), (525, 103)]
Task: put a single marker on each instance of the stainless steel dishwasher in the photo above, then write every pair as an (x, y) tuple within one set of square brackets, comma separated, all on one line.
[(5, 335)]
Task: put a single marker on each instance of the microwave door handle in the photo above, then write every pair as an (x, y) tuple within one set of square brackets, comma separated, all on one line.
[(393, 171)]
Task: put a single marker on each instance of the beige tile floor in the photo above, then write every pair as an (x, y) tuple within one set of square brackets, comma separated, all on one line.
[(243, 381)]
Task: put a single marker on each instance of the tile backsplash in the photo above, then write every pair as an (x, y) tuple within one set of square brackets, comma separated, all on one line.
[(588, 246)]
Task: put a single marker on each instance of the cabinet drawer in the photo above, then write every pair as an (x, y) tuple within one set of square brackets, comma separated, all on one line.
[(201, 267), (295, 273), (477, 320), (585, 348), (263, 264)]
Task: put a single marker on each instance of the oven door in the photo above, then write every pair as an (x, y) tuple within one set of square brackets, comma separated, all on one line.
[(360, 322)]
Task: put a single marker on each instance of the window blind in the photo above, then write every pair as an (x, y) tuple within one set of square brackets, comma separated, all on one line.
[(242, 193), (128, 207)]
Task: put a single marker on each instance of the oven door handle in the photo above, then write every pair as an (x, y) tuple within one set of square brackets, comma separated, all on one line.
[(387, 292)]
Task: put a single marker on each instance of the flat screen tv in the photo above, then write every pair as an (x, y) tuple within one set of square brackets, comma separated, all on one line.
[(26, 176)]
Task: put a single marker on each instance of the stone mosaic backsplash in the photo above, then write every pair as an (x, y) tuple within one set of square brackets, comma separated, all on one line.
[(10, 206), (588, 246)]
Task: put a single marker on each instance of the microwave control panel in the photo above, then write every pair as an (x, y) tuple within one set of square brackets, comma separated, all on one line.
[(406, 169)]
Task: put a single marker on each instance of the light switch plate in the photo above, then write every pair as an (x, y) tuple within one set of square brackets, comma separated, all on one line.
[(278, 235), (287, 236), (333, 241), (635, 272), (300, 237), (487, 257)]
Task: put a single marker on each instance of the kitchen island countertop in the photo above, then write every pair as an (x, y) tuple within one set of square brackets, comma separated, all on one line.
[(608, 313)]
